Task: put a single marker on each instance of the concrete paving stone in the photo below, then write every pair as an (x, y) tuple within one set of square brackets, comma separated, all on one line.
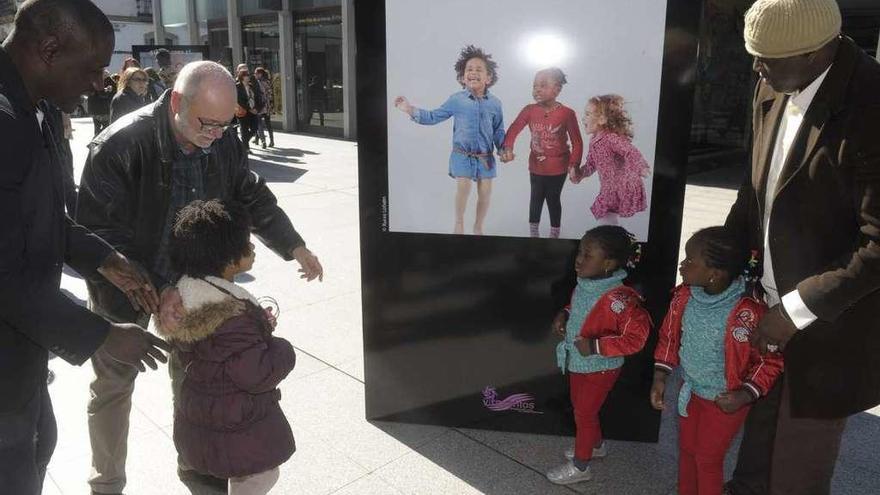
[(70, 396), (354, 367), (452, 464), (371, 484), (152, 396), (330, 404), (854, 481), (49, 486), (331, 330), (316, 467), (310, 210), (529, 482), (632, 467), (306, 365), (540, 452), (858, 448), (279, 279), (151, 468)]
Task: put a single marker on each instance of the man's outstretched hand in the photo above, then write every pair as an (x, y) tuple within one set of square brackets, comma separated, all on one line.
[(310, 267), (132, 345), (129, 277)]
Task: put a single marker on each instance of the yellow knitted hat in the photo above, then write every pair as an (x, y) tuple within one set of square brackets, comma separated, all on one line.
[(785, 28)]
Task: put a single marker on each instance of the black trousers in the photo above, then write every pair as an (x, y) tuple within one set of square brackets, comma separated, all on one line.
[(546, 188), (248, 125), (782, 455), (267, 119), (27, 440)]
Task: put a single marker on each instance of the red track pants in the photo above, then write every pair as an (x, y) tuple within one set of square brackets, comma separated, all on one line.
[(703, 439), (588, 392)]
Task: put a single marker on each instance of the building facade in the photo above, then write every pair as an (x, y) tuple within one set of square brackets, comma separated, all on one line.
[(306, 45)]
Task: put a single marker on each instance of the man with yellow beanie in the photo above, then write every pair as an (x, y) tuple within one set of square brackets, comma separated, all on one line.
[(811, 205)]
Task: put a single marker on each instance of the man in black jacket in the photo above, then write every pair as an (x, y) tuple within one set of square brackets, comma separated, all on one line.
[(57, 51), (140, 172)]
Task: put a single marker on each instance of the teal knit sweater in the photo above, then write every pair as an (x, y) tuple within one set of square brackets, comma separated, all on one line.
[(702, 342), (586, 294)]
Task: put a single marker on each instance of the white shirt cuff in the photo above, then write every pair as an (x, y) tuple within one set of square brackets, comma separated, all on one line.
[(797, 310)]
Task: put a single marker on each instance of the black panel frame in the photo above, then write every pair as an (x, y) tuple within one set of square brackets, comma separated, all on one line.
[(445, 316)]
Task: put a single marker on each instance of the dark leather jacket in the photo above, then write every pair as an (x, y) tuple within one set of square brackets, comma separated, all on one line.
[(126, 188)]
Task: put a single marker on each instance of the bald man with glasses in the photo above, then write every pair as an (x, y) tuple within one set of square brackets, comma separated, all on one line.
[(140, 172)]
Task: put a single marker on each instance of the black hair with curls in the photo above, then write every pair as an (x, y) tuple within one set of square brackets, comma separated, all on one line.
[(557, 74), (722, 250), (470, 52), (209, 235), (617, 243)]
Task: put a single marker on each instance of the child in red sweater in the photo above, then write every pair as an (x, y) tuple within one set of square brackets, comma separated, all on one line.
[(552, 124), (706, 332)]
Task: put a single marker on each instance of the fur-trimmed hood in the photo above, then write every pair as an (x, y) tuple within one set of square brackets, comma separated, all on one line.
[(206, 307)]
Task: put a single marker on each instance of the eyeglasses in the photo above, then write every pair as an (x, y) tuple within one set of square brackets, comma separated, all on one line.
[(138, 79), (211, 126)]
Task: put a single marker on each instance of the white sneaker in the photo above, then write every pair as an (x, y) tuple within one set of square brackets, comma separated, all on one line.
[(598, 452), (568, 474)]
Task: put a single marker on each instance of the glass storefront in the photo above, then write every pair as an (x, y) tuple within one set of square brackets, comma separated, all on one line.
[(212, 19), (260, 43), (313, 90), (175, 22), (318, 71)]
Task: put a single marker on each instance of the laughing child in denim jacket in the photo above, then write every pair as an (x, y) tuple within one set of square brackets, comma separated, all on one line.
[(477, 131)]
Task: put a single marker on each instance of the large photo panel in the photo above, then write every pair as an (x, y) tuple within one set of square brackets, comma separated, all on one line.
[(457, 327), (444, 147)]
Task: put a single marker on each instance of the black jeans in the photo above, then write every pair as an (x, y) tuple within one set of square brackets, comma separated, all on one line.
[(248, 125), (27, 440), (267, 119), (546, 188)]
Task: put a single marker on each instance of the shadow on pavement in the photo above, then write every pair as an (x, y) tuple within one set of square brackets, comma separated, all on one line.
[(730, 177), (274, 172), (285, 152)]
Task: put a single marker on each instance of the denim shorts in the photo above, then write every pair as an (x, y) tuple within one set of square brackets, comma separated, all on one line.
[(461, 166)]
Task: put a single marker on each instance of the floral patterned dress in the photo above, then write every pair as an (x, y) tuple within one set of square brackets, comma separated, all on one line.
[(621, 167)]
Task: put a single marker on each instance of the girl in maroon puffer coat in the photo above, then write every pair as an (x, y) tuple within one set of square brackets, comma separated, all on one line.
[(227, 420)]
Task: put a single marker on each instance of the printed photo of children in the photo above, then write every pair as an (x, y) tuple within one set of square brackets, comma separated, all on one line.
[(568, 46)]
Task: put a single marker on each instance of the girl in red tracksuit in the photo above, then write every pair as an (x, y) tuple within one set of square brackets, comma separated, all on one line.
[(604, 322), (706, 332)]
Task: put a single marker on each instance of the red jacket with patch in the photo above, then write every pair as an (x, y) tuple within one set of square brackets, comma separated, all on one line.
[(618, 325), (744, 366)]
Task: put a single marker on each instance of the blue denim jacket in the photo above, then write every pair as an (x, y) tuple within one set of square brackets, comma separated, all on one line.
[(478, 127)]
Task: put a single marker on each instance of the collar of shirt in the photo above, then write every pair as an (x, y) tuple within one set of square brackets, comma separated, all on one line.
[(474, 97), (802, 99), (40, 117)]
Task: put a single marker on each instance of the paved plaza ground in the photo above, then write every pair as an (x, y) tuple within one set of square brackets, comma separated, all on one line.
[(338, 451)]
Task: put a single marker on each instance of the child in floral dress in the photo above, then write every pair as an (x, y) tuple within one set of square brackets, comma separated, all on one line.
[(620, 165)]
